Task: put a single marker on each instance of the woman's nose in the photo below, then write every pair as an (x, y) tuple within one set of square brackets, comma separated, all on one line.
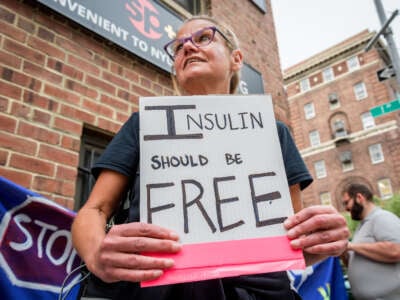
[(188, 45)]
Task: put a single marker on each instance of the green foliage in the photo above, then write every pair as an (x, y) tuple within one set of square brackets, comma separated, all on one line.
[(391, 204), (350, 223)]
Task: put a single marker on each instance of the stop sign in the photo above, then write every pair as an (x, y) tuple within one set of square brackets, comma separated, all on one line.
[(35, 245)]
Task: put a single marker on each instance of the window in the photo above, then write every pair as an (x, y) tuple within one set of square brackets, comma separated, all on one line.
[(333, 101), (320, 170), (327, 74), (376, 153), (92, 145), (385, 188), (346, 160), (360, 91), (314, 138), (339, 128), (367, 120), (309, 111), (194, 7), (304, 85), (353, 63), (325, 198)]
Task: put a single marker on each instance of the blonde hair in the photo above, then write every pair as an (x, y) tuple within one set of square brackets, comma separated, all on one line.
[(232, 44)]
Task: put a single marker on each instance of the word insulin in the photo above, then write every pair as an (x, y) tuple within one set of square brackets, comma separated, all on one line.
[(207, 121)]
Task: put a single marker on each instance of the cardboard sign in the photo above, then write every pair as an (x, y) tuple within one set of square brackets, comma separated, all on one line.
[(212, 171)]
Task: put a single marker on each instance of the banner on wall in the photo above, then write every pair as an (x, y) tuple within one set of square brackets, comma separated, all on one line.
[(142, 27), (36, 252)]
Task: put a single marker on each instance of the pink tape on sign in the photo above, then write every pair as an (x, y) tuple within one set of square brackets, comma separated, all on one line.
[(204, 261)]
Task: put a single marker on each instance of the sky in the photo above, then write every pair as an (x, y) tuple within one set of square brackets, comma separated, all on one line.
[(307, 27)]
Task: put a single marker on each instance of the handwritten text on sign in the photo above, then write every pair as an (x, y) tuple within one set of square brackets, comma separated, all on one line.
[(212, 170), (211, 167)]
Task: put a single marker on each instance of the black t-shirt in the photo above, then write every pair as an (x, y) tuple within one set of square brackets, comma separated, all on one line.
[(122, 155)]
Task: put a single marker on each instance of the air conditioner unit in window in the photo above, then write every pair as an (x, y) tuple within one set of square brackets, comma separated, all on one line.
[(345, 157), (339, 126), (333, 98), (339, 129)]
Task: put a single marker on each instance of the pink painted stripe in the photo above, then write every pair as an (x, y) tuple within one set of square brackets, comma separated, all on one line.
[(229, 258)]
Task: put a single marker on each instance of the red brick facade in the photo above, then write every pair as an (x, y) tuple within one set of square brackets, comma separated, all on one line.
[(357, 140), (56, 78)]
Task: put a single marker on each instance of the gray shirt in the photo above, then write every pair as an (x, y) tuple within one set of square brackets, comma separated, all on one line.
[(369, 279)]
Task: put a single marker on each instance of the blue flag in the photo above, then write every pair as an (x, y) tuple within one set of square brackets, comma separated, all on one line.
[(322, 281), (36, 251)]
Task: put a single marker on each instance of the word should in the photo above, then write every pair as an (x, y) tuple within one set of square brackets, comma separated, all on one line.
[(163, 162)]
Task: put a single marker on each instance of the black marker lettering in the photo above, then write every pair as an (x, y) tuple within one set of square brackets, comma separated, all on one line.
[(169, 110), (219, 202), (151, 210), (194, 201), (264, 197)]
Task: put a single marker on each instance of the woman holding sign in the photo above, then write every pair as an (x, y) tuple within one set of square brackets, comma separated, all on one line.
[(207, 60)]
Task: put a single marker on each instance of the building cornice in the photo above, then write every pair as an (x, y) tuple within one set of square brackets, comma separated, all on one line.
[(323, 84), (354, 137), (316, 61)]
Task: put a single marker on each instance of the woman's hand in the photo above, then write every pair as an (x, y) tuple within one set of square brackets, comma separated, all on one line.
[(118, 257), (319, 230)]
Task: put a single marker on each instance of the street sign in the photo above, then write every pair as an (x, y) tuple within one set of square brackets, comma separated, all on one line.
[(385, 108), (385, 73)]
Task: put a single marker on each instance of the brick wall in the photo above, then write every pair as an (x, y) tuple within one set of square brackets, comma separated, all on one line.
[(351, 109), (256, 33), (56, 76)]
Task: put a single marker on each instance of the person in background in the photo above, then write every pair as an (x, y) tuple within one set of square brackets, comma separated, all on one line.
[(206, 60), (373, 256)]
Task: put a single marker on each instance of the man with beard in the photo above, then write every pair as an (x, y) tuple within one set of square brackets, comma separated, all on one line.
[(373, 256)]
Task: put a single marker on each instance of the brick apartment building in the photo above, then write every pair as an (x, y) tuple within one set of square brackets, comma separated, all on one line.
[(65, 90), (330, 95)]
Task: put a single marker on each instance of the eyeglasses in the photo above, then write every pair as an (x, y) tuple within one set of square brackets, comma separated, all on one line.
[(200, 38)]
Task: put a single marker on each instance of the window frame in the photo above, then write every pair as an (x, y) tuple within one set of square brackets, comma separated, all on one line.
[(339, 133), (373, 153), (327, 74), (181, 9), (367, 120), (347, 166), (309, 113), (319, 166), (360, 91), (314, 137), (353, 63), (336, 104), (384, 195), (305, 85), (327, 201), (95, 142)]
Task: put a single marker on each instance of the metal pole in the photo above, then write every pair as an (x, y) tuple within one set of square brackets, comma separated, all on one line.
[(394, 55)]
